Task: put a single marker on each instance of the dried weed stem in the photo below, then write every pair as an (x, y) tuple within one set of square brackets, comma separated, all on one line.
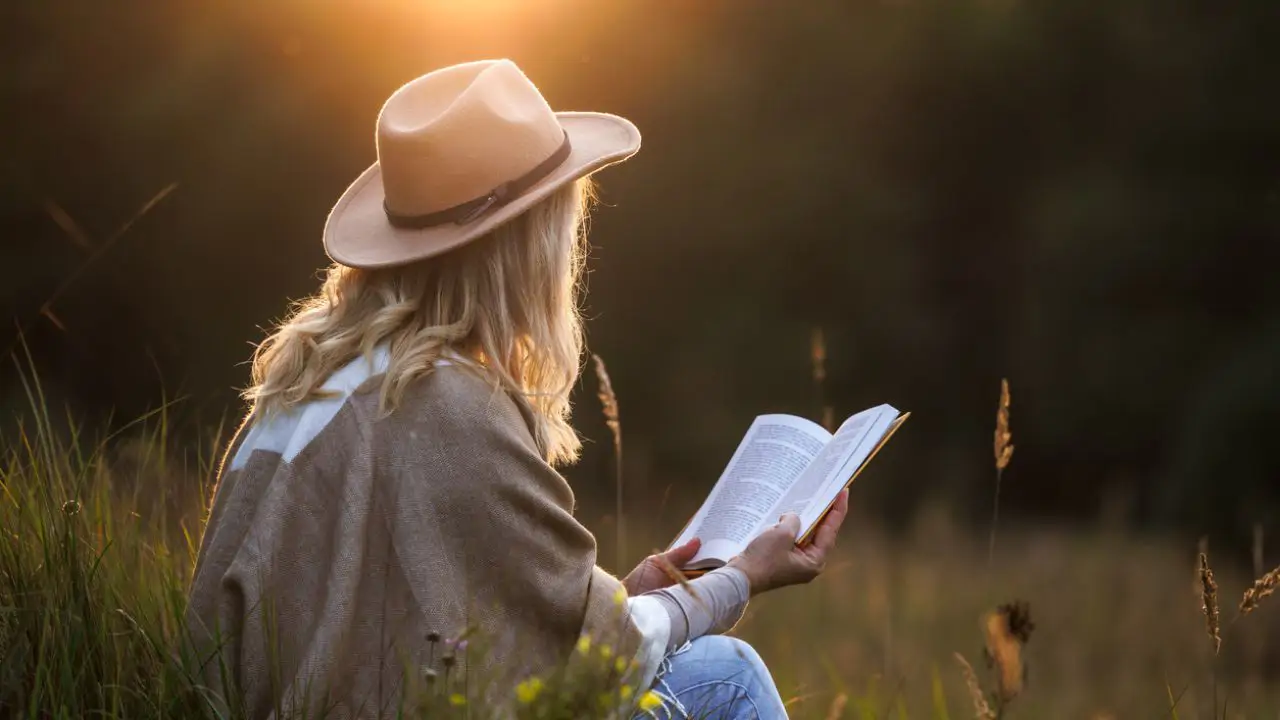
[(609, 406), (1004, 453), (1209, 600), (1262, 587), (981, 709)]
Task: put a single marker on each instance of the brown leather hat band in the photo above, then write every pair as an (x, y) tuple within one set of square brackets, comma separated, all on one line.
[(472, 209)]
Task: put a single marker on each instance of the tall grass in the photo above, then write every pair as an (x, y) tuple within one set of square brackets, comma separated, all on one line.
[(97, 541), (92, 572)]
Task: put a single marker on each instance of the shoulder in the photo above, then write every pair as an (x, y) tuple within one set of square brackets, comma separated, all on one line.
[(466, 437), (461, 395), (455, 405)]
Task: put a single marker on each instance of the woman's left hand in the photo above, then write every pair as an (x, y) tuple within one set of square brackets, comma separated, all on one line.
[(654, 573)]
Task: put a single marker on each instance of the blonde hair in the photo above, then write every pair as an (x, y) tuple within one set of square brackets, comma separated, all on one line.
[(507, 303)]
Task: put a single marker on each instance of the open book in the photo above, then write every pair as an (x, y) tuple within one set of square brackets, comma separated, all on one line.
[(784, 464)]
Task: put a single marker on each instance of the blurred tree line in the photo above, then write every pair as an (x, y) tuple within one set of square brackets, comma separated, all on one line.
[(1083, 197)]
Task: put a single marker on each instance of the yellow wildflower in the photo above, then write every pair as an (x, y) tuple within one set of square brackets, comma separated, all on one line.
[(650, 700), (620, 664), (606, 652), (625, 692), (528, 691), (584, 644), (457, 699)]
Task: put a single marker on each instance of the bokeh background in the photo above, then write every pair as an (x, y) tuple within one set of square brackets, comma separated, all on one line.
[(1083, 197)]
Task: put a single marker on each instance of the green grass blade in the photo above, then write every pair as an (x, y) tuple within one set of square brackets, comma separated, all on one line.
[(940, 710)]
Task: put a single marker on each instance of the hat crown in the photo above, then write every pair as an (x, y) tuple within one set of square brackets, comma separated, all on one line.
[(453, 135)]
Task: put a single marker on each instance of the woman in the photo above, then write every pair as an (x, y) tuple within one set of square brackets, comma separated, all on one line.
[(394, 480)]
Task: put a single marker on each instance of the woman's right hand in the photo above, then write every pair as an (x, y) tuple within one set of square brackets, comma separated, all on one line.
[(773, 560)]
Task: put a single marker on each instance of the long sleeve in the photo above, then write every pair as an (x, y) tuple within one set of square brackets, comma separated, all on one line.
[(711, 604), (485, 529), (343, 539)]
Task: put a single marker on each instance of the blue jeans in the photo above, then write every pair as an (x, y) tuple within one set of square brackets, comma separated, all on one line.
[(715, 678)]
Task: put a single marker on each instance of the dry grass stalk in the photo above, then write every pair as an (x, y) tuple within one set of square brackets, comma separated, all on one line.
[(1209, 600), (1006, 630), (818, 354), (1202, 547), (1003, 436), (612, 418), (48, 313), (677, 576), (674, 573), (1004, 453), (818, 357), (836, 711), (981, 709), (60, 217), (1262, 587), (68, 224), (1257, 549), (608, 400)]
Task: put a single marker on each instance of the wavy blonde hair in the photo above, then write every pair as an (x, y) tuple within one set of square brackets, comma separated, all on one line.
[(507, 304)]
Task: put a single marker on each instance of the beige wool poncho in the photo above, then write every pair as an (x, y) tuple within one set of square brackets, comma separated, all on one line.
[(339, 539)]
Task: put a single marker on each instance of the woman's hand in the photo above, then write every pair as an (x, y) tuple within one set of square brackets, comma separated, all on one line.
[(772, 560), (654, 572)]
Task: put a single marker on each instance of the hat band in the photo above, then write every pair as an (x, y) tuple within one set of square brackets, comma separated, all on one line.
[(470, 210)]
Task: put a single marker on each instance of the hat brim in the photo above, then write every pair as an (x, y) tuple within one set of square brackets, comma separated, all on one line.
[(358, 234)]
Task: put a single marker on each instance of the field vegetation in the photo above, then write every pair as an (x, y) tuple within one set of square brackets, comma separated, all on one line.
[(100, 533)]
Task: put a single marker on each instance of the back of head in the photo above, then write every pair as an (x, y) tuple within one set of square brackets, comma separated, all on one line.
[(505, 305)]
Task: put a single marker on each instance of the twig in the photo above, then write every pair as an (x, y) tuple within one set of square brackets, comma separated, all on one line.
[(46, 308)]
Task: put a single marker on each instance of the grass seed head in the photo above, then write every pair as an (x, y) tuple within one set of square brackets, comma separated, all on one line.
[(1003, 436), (1209, 600), (981, 708), (1006, 630), (608, 400), (1262, 587), (1020, 622)]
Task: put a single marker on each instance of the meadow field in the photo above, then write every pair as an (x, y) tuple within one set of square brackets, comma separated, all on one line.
[(1118, 627), (99, 538)]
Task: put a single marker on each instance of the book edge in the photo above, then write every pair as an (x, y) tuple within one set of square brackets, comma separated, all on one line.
[(893, 428)]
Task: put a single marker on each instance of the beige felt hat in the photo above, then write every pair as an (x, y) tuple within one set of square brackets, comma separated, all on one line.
[(460, 151)]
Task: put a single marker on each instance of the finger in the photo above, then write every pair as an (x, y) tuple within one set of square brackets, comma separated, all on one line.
[(791, 523), (672, 571), (680, 556), (824, 538)]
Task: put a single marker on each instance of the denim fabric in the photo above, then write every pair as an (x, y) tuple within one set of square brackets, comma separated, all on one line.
[(715, 678)]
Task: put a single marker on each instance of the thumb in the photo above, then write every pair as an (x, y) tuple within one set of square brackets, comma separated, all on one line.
[(791, 523), (680, 556)]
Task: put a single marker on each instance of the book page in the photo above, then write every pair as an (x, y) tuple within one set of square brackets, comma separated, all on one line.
[(774, 452), (858, 437), (851, 472), (853, 431)]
